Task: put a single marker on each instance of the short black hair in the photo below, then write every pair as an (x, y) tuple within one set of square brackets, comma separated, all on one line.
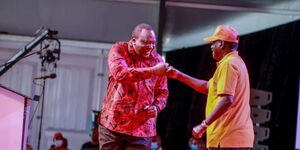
[(137, 30)]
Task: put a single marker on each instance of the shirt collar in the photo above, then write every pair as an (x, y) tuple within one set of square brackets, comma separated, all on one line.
[(233, 53)]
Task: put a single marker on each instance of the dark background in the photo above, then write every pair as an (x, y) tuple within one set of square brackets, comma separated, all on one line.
[(272, 59)]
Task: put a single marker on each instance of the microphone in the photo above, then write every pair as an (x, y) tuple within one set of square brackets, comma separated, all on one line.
[(51, 76)]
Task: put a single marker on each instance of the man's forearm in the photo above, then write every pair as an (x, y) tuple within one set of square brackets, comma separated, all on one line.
[(198, 85), (220, 109)]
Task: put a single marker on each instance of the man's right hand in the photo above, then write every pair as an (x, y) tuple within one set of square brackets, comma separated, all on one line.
[(199, 130), (160, 69), (172, 72)]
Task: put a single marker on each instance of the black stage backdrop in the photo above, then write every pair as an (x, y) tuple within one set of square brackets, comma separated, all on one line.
[(272, 59)]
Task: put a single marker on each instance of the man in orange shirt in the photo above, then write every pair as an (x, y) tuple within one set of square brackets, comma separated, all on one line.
[(228, 123)]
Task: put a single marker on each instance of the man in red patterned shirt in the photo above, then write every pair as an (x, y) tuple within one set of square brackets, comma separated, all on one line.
[(137, 91)]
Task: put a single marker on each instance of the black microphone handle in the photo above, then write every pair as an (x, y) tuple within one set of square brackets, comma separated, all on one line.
[(52, 76)]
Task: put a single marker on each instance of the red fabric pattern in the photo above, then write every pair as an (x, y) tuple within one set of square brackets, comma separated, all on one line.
[(130, 89)]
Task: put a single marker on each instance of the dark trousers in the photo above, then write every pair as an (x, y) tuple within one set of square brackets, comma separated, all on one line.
[(109, 140), (229, 148)]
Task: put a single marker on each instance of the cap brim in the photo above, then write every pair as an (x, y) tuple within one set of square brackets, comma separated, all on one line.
[(210, 39)]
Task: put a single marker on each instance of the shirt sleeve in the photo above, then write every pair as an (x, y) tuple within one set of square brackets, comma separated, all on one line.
[(119, 68), (161, 93), (227, 79)]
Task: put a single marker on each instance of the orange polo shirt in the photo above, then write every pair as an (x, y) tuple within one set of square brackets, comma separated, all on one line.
[(234, 128)]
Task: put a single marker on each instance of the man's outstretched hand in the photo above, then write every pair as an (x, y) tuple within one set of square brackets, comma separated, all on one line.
[(172, 72), (160, 69)]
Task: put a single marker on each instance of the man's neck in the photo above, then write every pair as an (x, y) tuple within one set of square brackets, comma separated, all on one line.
[(225, 52)]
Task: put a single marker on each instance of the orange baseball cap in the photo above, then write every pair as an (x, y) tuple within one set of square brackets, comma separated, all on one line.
[(225, 33)]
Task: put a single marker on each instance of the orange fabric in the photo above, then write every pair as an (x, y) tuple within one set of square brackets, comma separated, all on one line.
[(225, 33), (234, 128)]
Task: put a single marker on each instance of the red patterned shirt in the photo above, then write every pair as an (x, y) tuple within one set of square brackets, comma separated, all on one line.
[(130, 90)]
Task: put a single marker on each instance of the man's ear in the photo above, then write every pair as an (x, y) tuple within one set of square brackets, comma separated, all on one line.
[(133, 39), (222, 44)]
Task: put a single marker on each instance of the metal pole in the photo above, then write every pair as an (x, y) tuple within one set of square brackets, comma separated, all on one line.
[(42, 112)]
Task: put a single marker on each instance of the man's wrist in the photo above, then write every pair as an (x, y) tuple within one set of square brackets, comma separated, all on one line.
[(204, 124), (150, 70), (179, 76), (157, 108)]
